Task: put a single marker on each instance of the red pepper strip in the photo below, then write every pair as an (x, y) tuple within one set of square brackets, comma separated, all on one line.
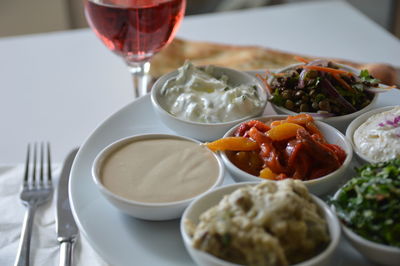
[(268, 152), (241, 131), (302, 167), (294, 154), (343, 82), (340, 153), (314, 130), (327, 69)]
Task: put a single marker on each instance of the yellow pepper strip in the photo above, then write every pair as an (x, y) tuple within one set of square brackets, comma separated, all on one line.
[(233, 144), (266, 173), (283, 131)]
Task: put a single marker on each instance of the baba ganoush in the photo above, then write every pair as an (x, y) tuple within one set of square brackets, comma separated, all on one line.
[(196, 95), (378, 138), (160, 170), (273, 223)]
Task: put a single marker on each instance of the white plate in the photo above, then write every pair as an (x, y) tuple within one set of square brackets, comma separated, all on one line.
[(122, 240)]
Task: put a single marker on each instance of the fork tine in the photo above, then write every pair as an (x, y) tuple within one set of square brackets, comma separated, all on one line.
[(26, 174), (34, 164), (41, 163), (49, 176)]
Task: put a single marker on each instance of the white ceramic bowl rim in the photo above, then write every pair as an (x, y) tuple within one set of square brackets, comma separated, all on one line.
[(174, 73), (348, 149), (359, 238), (333, 118), (333, 226), (114, 145), (356, 123)]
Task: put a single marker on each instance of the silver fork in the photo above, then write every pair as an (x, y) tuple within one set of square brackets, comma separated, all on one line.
[(37, 188)]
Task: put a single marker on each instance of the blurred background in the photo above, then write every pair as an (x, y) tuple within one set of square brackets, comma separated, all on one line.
[(19, 17)]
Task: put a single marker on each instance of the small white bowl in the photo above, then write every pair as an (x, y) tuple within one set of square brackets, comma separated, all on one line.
[(357, 123), (146, 210), (375, 252), (339, 122), (197, 130), (212, 198), (319, 186)]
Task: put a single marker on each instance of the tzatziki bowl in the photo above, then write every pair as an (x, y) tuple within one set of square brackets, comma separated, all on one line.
[(204, 102), (335, 97), (278, 147), (375, 135), (156, 176), (223, 226)]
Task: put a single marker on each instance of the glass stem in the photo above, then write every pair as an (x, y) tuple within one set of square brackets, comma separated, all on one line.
[(140, 77)]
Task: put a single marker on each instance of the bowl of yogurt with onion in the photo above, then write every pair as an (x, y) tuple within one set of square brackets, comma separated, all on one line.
[(204, 102), (375, 135)]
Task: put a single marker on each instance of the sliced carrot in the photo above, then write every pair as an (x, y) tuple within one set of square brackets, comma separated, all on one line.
[(265, 82), (327, 69), (301, 59), (284, 131), (233, 144), (343, 82)]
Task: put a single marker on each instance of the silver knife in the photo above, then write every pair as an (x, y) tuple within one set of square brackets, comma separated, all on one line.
[(67, 231)]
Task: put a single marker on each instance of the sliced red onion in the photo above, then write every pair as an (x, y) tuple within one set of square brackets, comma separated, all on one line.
[(331, 90), (304, 71)]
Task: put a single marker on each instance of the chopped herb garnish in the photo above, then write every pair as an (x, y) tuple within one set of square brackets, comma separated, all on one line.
[(370, 202)]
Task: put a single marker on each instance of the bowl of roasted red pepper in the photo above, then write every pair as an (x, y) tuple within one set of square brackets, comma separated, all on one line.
[(278, 147), (331, 92)]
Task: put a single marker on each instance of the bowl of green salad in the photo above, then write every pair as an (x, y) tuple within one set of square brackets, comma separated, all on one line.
[(328, 91), (368, 206)]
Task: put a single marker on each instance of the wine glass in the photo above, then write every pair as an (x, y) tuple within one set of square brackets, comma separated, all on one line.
[(135, 30)]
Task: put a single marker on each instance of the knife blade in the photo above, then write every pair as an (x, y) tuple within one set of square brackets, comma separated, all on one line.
[(67, 231)]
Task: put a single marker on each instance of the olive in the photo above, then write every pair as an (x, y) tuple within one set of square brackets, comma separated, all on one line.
[(304, 107), (289, 104), (298, 103), (324, 105), (286, 94), (299, 94), (315, 105), (304, 99), (313, 93)]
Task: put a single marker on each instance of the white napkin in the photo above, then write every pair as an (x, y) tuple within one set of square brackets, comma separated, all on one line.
[(44, 245)]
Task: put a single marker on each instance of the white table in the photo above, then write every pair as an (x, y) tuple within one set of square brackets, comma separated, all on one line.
[(60, 86)]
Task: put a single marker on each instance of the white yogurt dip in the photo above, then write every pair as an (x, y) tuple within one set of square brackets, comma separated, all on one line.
[(196, 95), (378, 138)]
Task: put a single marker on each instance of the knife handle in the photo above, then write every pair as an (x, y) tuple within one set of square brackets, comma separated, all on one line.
[(66, 253)]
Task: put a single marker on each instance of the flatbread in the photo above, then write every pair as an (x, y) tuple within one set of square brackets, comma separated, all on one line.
[(243, 58)]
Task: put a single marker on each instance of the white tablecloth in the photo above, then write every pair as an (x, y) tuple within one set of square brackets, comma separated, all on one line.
[(44, 245)]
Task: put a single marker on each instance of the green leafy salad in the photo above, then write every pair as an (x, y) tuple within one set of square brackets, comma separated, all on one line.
[(369, 203)]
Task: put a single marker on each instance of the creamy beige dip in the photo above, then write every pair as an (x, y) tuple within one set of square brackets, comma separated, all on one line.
[(160, 170), (378, 138), (273, 223)]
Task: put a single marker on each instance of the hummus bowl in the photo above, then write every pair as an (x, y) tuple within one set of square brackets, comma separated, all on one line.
[(200, 205)]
